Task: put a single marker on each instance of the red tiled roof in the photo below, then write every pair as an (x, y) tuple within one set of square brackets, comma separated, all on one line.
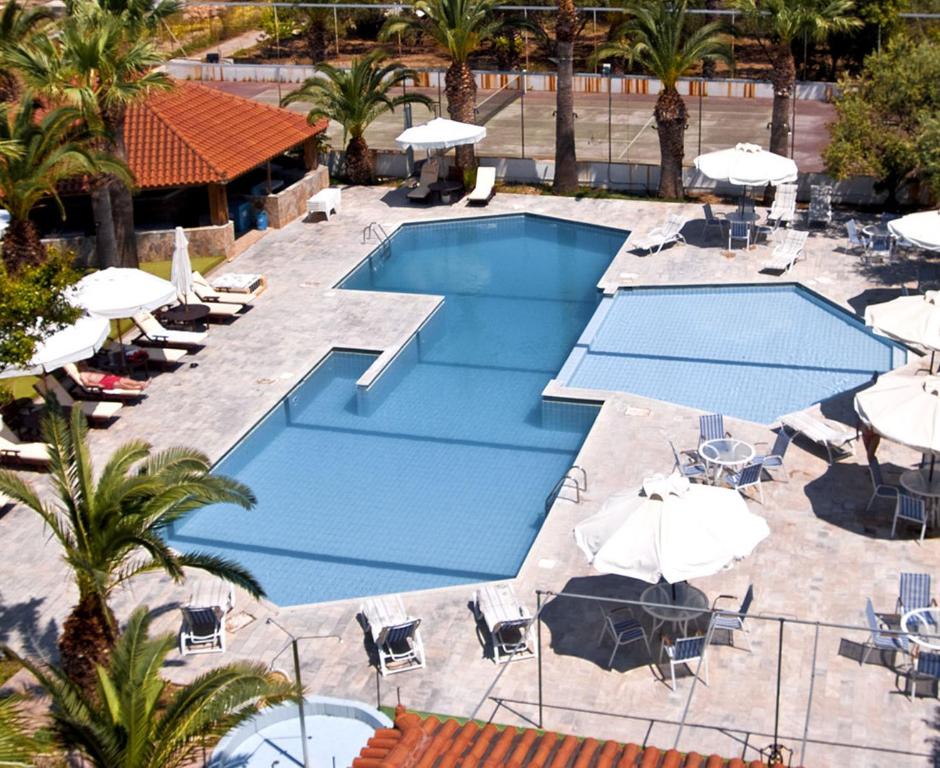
[(430, 743), (195, 135)]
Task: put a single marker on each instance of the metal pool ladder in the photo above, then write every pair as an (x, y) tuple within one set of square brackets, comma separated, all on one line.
[(575, 478)]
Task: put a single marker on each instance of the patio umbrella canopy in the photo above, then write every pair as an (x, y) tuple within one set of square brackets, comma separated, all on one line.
[(747, 165), (921, 229), (115, 292), (181, 270), (441, 133), (913, 319), (905, 408), (699, 532), (68, 345)]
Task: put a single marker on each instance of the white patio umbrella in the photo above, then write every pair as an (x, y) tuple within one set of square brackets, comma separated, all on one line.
[(181, 270), (75, 342), (117, 292), (922, 229), (676, 538), (914, 319), (440, 133), (747, 165), (904, 408)]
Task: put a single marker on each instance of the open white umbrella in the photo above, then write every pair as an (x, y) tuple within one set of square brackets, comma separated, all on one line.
[(914, 319), (75, 342), (440, 133), (922, 229), (747, 165), (181, 270), (676, 538), (117, 292), (903, 407)]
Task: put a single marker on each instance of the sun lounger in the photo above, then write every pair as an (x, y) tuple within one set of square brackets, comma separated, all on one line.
[(217, 310), (483, 191), (162, 356), (670, 232), (394, 633), (820, 204), (785, 254), (831, 435), (507, 621), (783, 209), (203, 629), (153, 332), (94, 410), (96, 391), (12, 450), (208, 294), (429, 173)]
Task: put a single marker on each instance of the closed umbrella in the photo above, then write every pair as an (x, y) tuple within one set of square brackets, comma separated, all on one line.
[(117, 292), (913, 319), (181, 270), (441, 133), (921, 229), (676, 537), (904, 408), (75, 342), (747, 165)]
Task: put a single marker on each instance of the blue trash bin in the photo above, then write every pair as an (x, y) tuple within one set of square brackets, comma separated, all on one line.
[(261, 220)]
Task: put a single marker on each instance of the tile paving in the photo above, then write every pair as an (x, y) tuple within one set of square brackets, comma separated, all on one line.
[(824, 555)]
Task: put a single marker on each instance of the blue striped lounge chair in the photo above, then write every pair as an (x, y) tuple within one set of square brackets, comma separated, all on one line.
[(734, 622), (711, 427), (914, 592), (911, 510), (623, 629), (686, 650), (774, 459), (880, 639), (394, 633), (748, 477), (691, 469)]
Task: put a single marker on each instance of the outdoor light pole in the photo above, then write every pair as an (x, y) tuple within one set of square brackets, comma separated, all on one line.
[(606, 69), (522, 111)]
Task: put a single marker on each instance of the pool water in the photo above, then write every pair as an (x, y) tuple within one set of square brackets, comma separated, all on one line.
[(752, 351), (436, 474)]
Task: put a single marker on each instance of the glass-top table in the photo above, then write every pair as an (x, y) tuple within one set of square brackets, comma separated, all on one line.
[(675, 604), (726, 452)]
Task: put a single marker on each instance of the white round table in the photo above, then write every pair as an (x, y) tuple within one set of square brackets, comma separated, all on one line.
[(922, 626), (675, 604), (726, 452), (918, 482)]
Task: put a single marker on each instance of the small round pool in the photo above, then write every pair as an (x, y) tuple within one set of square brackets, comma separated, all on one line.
[(337, 729)]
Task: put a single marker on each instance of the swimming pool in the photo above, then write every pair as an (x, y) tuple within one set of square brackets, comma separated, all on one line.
[(751, 351), (437, 473)]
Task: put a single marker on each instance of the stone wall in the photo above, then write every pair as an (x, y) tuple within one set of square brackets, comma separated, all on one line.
[(285, 206)]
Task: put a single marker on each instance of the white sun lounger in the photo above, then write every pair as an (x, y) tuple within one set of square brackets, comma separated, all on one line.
[(153, 332), (831, 435), (507, 620), (11, 449), (94, 410), (786, 253), (218, 310), (253, 285), (655, 239), (483, 191), (155, 355), (394, 633), (71, 370)]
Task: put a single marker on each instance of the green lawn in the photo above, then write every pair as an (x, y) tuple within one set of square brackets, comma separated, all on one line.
[(23, 386)]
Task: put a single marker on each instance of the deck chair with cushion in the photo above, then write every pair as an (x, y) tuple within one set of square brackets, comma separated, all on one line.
[(836, 438), (13, 451), (394, 633), (93, 410), (429, 174), (232, 287), (94, 390), (507, 620), (787, 252), (483, 191), (152, 332), (670, 232)]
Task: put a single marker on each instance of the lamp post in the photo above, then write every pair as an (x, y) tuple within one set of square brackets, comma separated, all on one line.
[(522, 110), (606, 69), (299, 682)]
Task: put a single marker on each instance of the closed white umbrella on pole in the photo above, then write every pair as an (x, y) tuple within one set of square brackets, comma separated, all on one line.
[(71, 344), (747, 165), (117, 292), (441, 133), (920, 229), (181, 270)]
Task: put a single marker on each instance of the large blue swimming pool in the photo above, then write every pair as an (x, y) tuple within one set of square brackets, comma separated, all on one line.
[(437, 474)]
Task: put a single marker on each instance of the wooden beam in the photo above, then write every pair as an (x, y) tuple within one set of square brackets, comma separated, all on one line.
[(311, 156), (218, 204)]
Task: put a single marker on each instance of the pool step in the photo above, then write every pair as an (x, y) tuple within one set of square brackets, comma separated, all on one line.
[(576, 479)]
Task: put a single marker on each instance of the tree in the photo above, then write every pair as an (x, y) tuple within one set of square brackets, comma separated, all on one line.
[(17, 748), (657, 36), (355, 98), (780, 23), (887, 123), (566, 161), (17, 25), (42, 152), (133, 719), (101, 63), (111, 528)]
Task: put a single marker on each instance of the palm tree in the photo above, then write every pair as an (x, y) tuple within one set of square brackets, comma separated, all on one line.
[(782, 22), (17, 24), (566, 161), (40, 154), (17, 748), (101, 63), (656, 35), (111, 530), (133, 720), (355, 98)]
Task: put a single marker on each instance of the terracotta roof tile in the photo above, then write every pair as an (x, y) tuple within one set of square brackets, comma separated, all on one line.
[(429, 743), (196, 135)]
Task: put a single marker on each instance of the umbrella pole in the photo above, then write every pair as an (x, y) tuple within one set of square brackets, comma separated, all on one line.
[(933, 460)]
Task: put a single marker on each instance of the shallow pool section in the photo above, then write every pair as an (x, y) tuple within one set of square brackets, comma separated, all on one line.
[(755, 352), (437, 472)]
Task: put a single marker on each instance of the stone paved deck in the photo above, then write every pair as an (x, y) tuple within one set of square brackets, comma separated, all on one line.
[(823, 558)]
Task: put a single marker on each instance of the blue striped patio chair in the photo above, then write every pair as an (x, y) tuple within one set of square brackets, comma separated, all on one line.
[(691, 469), (880, 489), (623, 629), (748, 477), (774, 459), (880, 640), (732, 623), (911, 510), (711, 427), (739, 230), (927, 667), (914, 592), (686, 650)]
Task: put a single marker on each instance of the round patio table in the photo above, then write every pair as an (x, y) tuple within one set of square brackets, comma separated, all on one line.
[(184, 315), (675, 604), (918, 482), (448, 191), (724, 453), (923, 627)]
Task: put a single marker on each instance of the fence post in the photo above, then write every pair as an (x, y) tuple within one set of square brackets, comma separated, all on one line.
[(538, 613), (776, 754)]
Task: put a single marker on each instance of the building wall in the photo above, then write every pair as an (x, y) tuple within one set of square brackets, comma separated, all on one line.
[(285, 206)]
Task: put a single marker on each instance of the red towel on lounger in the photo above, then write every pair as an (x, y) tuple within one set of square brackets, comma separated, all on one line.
[(110, 382)]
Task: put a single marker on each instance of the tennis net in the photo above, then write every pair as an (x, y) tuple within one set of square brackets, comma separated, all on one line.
[(497, 101)]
